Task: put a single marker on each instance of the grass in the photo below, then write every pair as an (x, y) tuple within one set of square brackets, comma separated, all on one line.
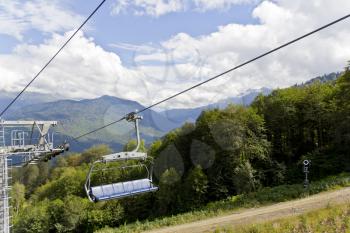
[(330, 219), (265, 196)]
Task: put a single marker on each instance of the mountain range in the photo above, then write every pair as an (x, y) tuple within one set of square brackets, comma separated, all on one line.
[(78, 117)]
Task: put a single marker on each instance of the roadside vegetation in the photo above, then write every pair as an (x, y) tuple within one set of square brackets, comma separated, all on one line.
[(233, 158)]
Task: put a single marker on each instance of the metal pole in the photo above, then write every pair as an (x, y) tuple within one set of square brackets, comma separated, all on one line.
[(306, 171)]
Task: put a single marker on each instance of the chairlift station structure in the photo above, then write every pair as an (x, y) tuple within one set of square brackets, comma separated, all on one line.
[(29, 141)]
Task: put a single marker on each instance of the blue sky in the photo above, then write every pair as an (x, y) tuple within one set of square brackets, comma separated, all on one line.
[(145, 50)]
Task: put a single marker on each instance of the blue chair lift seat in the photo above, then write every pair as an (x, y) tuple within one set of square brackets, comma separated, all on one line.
[(121, 190)]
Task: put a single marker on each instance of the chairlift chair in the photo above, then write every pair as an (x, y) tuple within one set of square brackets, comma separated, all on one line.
[(124, 189)]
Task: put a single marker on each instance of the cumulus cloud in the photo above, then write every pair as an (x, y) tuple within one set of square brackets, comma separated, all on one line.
[(86, 70), (17, 17), (83, 69), (279, 21)]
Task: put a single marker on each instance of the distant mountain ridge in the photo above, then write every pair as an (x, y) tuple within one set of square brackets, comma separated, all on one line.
[(191, 114), (78, 117), (26, 99), (323, 79)]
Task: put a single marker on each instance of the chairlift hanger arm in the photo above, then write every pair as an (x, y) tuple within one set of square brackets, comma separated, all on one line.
[(132, 155), (133, 117), (137, 134)]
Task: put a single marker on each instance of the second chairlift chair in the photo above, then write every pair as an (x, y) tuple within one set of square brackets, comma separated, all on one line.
[(120, 190)]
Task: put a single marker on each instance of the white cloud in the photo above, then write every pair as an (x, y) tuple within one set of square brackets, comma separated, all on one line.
[(17, 17), (280, 22), (161, 7), (83, 69), (205, 5), (148, 7), (86, 70), (132, 47)]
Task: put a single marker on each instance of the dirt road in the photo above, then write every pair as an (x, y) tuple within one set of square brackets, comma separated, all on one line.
[(273, 212)]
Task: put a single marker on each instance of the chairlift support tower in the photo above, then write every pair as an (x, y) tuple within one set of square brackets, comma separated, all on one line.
[(15, 141)]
